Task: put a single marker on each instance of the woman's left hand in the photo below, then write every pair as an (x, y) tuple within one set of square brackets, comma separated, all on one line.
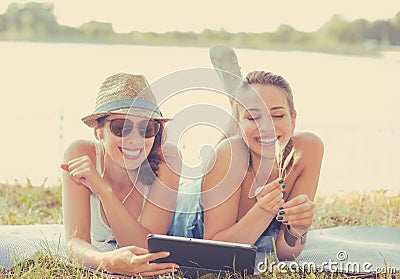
[(298, 213)]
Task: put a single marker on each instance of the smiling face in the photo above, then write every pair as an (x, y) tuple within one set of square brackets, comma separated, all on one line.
[(130, 150), (266, 118)]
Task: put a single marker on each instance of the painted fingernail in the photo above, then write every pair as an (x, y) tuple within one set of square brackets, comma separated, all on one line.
[(279, 218), (280, 181), (282, 212), (283, 186), (64, 166), (280, 208), (285, 222)]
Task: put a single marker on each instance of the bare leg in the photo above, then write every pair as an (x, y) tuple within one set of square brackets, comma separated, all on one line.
[(224, 58), (226, 64)]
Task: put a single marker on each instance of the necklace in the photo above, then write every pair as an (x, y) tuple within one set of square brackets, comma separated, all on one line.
[(133, 187)]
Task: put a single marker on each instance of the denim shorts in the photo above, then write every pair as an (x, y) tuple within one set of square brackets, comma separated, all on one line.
[(188, 219), (264, 243)]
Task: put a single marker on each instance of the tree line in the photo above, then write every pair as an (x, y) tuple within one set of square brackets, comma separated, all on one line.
[(37, 22)]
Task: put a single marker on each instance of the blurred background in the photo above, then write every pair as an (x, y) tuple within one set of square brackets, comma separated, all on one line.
[(342, 60)]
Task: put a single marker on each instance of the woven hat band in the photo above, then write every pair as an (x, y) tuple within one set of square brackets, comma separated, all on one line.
[(128, 103)]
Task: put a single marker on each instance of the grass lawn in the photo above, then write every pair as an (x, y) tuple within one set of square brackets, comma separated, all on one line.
[(28, 204)]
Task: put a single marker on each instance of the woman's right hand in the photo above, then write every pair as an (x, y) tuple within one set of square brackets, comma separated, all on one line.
[(133, 260), (270, 197), (84, 172)]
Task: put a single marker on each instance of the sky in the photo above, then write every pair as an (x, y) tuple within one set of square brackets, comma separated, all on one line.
[(245, 16)]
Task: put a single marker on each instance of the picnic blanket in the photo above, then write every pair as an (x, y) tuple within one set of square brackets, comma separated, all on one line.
[(21, 242), (353, 249)]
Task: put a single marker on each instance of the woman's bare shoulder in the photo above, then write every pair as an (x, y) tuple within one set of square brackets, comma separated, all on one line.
[(170, 149), (78, 148), (230, 152), (231, 145), (172, 155), (307, 140), (310, 146)]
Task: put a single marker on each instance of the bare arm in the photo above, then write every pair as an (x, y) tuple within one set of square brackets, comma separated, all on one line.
[(82, 178), (163, 193), (224, 181), (76, 210), (300, 203), (158, 210)]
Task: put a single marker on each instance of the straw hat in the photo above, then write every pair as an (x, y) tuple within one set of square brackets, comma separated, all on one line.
[(124, 93)]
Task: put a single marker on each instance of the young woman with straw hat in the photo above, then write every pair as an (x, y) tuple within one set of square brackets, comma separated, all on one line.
[(123, 186)]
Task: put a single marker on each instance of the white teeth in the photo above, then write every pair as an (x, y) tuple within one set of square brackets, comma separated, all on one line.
[(131, 152), (266, 140)]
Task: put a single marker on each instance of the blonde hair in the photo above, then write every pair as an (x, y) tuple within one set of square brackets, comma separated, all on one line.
[(268, 78)]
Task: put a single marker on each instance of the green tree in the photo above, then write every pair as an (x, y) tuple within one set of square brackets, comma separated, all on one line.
[(356, 32), (380, 31), (97, 30), (335, 29), (395, 32), (30, 20)]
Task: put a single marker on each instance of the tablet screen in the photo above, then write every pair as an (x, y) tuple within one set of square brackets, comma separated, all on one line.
[(197, 257)]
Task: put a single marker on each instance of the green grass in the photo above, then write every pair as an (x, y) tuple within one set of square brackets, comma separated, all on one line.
[(29, 204), (375, 208)]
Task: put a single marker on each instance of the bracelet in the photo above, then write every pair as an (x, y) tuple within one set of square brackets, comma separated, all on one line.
[(291, 239)]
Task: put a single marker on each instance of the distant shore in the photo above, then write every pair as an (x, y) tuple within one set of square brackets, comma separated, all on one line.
[(36, 22), (345, 50)]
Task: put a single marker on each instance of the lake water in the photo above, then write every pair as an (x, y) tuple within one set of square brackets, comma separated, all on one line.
[(350, 102)]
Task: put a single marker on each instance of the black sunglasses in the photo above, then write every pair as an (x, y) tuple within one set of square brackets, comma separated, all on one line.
[(122, 127)]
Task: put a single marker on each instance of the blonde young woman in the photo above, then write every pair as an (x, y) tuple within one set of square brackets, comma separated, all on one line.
[(283, 207), (118, 189)]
